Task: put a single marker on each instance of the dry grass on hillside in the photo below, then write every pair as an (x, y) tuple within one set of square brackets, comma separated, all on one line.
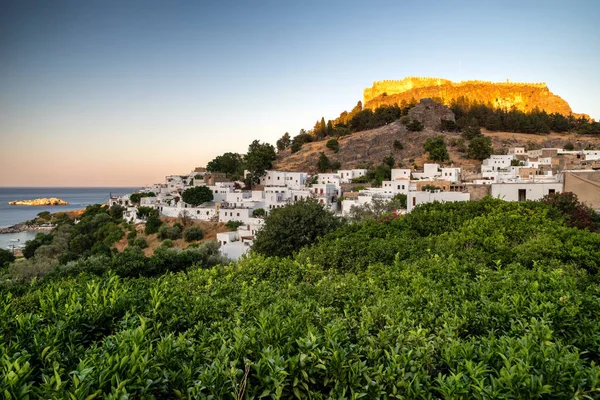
[(370, 147), (210, 234)]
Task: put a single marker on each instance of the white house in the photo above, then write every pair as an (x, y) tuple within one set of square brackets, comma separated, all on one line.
[(591, 155), (450, 174), (416, 198), (521, 191), (346, 175), (516, 150), (400, 173), (429, 171), (395, 187), (329, 178)]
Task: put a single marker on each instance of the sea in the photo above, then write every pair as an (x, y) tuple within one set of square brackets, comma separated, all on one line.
[(78, 198)]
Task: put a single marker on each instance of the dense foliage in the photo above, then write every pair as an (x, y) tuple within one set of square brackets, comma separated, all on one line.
[(436, 147), (259, 159), (232, 164), (197, 195), (287, 229), (477, 300), (513, 120), (6, 257)]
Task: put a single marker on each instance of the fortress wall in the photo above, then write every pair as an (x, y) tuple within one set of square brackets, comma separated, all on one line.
[(391, 87)]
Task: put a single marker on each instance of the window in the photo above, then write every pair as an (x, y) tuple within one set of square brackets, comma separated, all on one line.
[(551, 191), (522, 194)]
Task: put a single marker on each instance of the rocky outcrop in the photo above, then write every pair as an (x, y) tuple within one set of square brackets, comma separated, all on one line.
[(523, 96), (22, 227), (431, 114), (52, 201)]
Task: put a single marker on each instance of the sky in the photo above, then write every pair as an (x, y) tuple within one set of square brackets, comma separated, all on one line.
[(123, 93)]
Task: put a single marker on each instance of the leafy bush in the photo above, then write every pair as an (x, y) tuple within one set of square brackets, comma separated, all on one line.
[(197, 195), (167, 243), (569, 146), (259, 212), (480, 147), (483, 299), (233, 225), (398, 145), (140, 242), (193, 233), (153, 223), (414, 126), (333, 144), (436, 147), (289, 228), (6, 257), (471, 132), (169, 232)]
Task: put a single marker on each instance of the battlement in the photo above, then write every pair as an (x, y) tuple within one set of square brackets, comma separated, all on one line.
[(390, 86), (525, 96)]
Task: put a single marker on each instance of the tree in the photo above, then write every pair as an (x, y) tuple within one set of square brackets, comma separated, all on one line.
[(197, 195), (153, 222), (6, 257), (569, 146), (259, 159), (437, 149), (193, 233), (259, 212), (232, 164), (323, 165), (288, 229), (471, 132), (116, 211), (414, 126), (389, 161), (577, 214), (480, 148), (284, 142), (398, 145), (333, 144), (376, 208)]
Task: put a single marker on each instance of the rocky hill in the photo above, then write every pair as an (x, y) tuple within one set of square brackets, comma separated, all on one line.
[(523, 96), (369, 148)]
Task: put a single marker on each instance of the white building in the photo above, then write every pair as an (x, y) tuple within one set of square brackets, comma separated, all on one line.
[(430, 171), (591, 155), (329, 178), (522, 191), (450, 174), (400, 173), (516, 150), (416, 198), (283, 178), (346, 175)]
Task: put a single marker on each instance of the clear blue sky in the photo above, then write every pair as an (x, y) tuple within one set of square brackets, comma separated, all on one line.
[(125, 92)]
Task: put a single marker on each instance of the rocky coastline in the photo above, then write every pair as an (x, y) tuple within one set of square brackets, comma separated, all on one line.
[(52, 201), (22, 227)]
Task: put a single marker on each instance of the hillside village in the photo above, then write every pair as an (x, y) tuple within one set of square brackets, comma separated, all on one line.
[(517, 176)]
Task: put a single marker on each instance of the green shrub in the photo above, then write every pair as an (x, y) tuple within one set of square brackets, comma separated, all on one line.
[(414, 126), (398, 145), (140, 242), (169, 232), (6, 257), (569, 146), (233, 225), (168, 243), (193, 233), (333, 144), (153, 223)]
